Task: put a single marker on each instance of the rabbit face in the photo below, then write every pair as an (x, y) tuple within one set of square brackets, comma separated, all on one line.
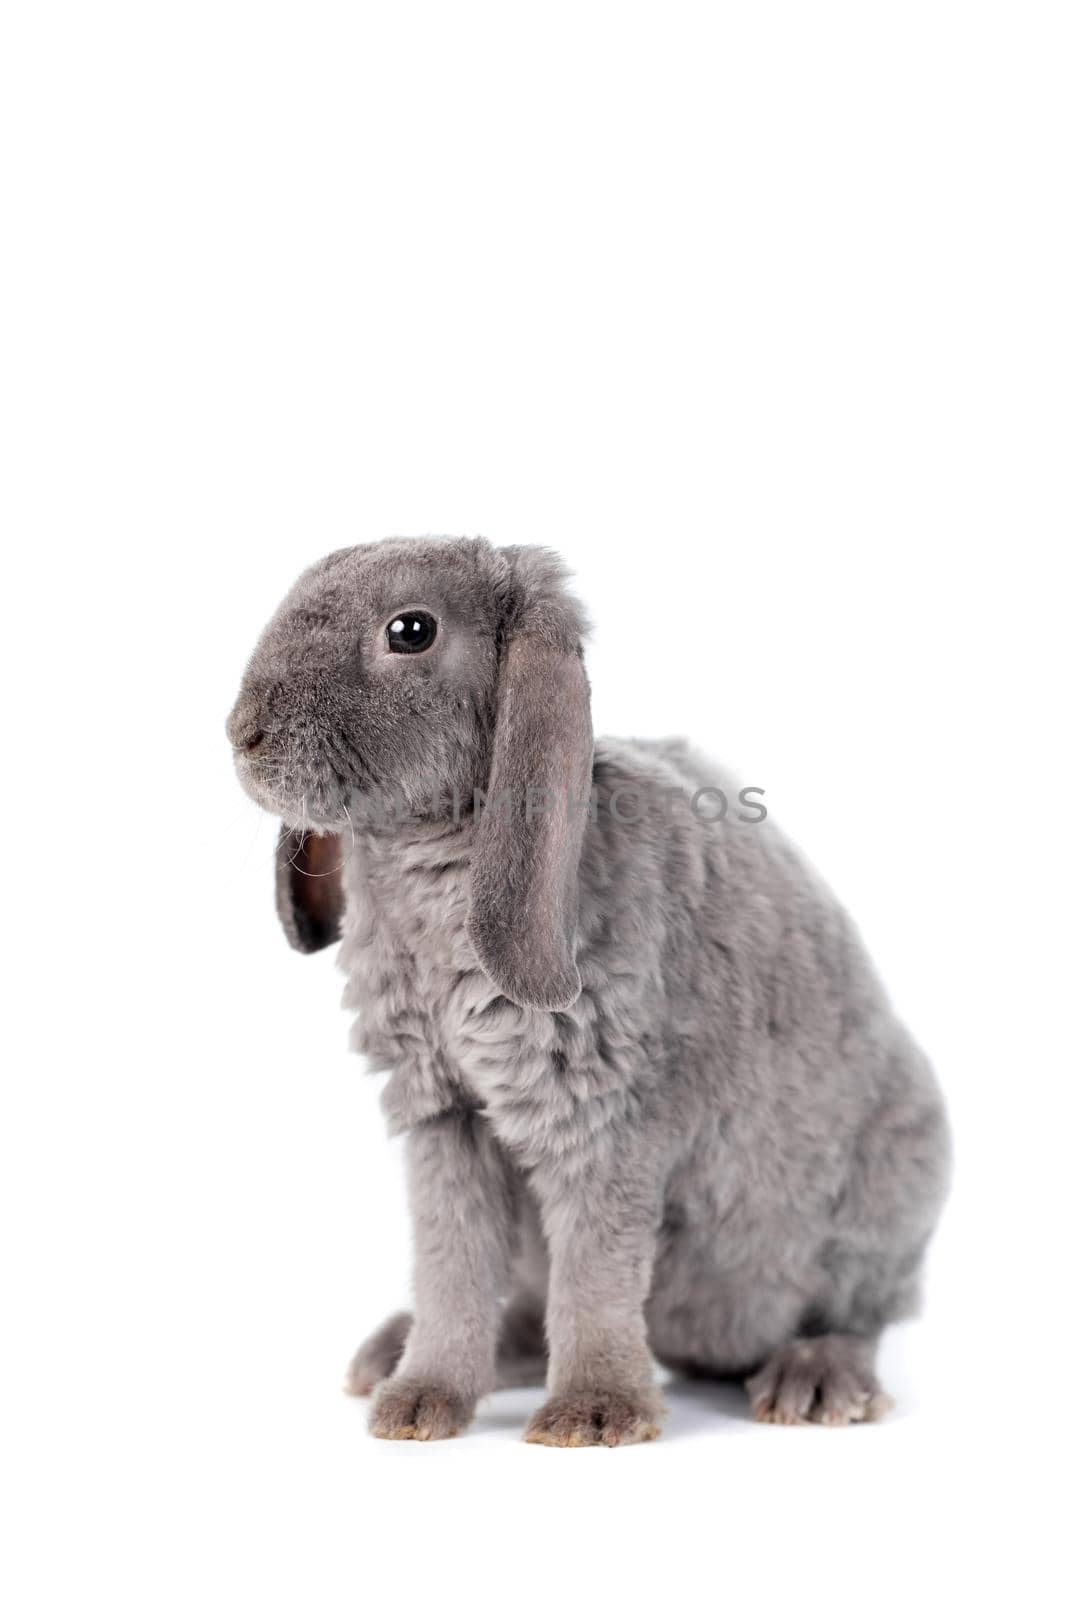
[(414, 670), (374, 683)]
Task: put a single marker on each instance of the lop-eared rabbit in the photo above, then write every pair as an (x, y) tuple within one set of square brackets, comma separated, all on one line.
[(654, 1100)]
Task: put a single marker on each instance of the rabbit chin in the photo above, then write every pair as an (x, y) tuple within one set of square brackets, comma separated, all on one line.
[(318, 807)]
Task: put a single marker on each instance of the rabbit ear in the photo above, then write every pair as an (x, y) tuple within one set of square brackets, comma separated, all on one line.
[(523, 895), (309, 891)]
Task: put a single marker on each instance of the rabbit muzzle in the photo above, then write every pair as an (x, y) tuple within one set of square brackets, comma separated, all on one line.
[(289, 754)]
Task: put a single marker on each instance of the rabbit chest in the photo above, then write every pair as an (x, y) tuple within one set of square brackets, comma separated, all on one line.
[(430, 1018)]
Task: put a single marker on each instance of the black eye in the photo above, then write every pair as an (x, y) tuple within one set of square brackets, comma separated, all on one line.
[(411, 632)]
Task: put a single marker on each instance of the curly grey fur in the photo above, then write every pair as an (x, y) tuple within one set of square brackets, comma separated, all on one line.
[(653, 1094)]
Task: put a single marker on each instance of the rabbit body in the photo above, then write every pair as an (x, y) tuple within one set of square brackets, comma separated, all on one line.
[(678, 1117), (729, 1022)]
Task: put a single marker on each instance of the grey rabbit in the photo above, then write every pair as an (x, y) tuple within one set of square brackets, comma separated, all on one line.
[(654, 1098)]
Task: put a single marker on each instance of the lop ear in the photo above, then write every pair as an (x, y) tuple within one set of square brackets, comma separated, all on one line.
[(309, 891), (523, 887)]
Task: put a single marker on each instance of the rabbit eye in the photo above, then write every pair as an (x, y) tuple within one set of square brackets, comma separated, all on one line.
[(411, 632)]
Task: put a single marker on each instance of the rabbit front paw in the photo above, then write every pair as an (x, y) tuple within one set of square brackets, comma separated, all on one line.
[(418, 1408), (595, 1417)]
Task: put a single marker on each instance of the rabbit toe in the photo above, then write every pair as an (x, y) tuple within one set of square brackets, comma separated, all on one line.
[(593, 1418), (826, 1380), (418, 1408)]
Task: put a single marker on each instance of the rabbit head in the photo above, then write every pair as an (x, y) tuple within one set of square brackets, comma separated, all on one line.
[(397, 673)]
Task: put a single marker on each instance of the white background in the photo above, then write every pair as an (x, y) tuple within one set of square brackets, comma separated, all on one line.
[(756, 313)]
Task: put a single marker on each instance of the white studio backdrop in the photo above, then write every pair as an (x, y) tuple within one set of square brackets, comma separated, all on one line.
[(754, 313)]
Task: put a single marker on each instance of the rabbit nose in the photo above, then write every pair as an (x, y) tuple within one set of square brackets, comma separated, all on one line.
[(243, 728)]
